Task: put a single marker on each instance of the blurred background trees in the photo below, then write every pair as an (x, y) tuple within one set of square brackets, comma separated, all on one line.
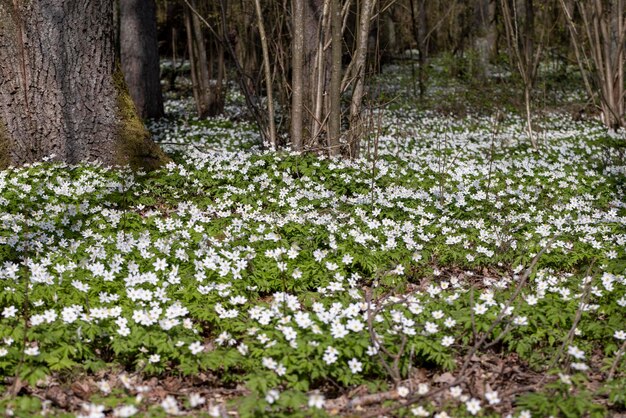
[(322, 53), (305, 67)]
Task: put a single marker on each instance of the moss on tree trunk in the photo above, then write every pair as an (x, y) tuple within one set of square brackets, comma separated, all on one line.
[(134, 146)]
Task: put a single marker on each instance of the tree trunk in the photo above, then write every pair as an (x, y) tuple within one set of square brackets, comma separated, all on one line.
[(358, 73), (140, 56), (199, 62), (600, 54), (61, 92), (268, 77), (334, 124), (297, 77)]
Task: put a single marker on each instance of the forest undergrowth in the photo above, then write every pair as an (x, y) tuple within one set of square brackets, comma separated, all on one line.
[(451, 271)]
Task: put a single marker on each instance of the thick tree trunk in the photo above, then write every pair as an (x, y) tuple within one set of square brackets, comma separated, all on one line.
[(140, 56), (61, 92)]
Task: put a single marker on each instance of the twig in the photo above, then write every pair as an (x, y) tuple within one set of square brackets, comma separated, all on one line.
[(504, 310), (370, 326), (572, 331), (472, 316), (618, 356)]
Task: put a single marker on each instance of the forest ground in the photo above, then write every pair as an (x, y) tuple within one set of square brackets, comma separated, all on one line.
[(451, 271)]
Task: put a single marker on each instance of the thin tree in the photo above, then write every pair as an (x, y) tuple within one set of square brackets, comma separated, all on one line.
[(196, 43), (334, 125), (603, 32), (297, 76), (268, 76), (358, 75), (207, 90), (524, 50)]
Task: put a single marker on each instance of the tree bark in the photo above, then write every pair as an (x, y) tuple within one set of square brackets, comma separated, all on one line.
[(360, 56), (199, 62), (140, 56), (600, 54), (61, 91), (297, 77), (268, 77), (334, 124)]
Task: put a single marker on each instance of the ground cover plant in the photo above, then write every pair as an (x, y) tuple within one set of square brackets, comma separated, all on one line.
[(451, 271)]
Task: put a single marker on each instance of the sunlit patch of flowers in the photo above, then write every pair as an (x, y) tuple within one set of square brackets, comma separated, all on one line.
[(290, 271)]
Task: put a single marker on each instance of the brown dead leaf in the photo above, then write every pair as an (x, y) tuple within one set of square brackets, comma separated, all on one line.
[(171, 384), (58, 397), (81, 389), (445, 378)]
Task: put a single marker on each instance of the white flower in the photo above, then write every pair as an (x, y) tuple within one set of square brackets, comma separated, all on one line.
[(355, 366), (520, 321), (473, 406), (492, 397), (160, 264), (371, 350), (154, 358), (196, 347), (337, 330), (195, 400), (70, 313), (422, 389), (281, 369), (330, 355), (449, 323), (525, 414), (269, 362), (565, 378), (447, 341), (214, 411), (80, 285), (580, 366), (243, 349), (456, 391), (104, 387), (575, 352), (531, 300), (125, 411), (480, 308), (431, 328), (620, 335), (355, 325), (420, 411), (3, 352), (272, 396), (92, 411), (316, 400), (170, 406), (437, 314), (403, 391), (32, 351), (9, 311)]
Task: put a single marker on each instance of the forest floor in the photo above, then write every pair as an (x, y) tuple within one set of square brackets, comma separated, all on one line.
[(454, 272)]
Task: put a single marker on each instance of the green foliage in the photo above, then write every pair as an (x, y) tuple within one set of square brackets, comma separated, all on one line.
[(297, 273), (563, 399)]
